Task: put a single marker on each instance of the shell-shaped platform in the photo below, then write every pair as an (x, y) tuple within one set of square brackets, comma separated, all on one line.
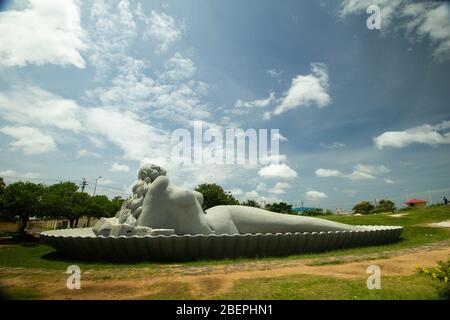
[(84, 244)]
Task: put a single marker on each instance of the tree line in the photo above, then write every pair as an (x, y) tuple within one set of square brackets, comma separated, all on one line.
[(58, 201), (64, 201)]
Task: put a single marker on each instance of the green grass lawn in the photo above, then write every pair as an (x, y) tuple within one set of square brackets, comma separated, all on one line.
[(309, 287), (416, 233)]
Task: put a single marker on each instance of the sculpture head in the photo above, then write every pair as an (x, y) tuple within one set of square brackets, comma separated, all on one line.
[(149, 172), (170, 207)]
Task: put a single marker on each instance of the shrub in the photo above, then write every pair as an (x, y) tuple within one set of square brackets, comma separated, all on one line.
[(280, 207), (251, 203), (363, 207), (312, 213), (441, 273), (215, 195)]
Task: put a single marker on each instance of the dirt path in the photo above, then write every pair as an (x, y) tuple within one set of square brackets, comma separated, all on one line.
[(210, 281)]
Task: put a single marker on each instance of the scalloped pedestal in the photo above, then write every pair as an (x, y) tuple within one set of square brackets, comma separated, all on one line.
[(84, 244)]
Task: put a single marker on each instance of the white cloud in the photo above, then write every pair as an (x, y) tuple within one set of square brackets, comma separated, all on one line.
[(114, 29), (277, 171), (137, 139), (130, 89), (424, 134), (29, 140), (333, 145), (34, 106), (117, 167), (85, 153), (313, 195), (373, 169), (279, 188), (236, 192), (431, 20), (8, 173), (274, 73), (360, 172), (311, 89), (259, 103), (45, 31), (367, 172), (133, 90), (106, 182), (251, 195), (389, 181), (426, 19), (359, 175), (389, 8), (161, 27), (15, 174), (327, 173), (178, 68), (261, 186)]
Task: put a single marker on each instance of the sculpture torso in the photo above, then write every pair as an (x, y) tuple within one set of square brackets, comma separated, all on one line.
[(171, 207)]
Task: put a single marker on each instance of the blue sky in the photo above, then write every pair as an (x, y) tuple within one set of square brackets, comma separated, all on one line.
[(94, 88)]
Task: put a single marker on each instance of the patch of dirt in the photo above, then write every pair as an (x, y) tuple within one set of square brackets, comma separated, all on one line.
[(206, 282), (398, 215), (442, 224)]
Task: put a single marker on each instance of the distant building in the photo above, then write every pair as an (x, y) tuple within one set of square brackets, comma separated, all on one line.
[(415, 203), (339, 211)]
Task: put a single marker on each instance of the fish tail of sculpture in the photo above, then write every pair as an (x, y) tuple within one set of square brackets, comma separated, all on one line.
[(249, 220)]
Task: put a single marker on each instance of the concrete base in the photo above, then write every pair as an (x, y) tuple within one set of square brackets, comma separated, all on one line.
[(84, 244)]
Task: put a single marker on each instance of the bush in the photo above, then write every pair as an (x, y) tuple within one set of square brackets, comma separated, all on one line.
[(363, 207), (386, 206), (312, 213), (442, 274), (251, 203), (279, 207), (214, 195)]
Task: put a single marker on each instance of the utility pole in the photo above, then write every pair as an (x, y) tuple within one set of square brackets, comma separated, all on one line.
[(95, 190), (83, 184), (95, 187)]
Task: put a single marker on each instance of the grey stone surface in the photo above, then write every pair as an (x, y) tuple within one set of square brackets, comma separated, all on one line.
[(83, 243), (171, 207)]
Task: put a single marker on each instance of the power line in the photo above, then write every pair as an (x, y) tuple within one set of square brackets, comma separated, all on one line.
[(84, 182)]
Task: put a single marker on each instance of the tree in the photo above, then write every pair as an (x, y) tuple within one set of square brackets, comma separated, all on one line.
[(2, 192), (23, 199), (116, 203), (61, 201), (280, 207), (80, 208), (386, 206), (313, 212), (214, 195), (100, 206), (363, 207), (251, 203)]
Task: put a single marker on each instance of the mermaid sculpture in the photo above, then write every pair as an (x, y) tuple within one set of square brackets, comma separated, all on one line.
[(163, 221), (157, 207)]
